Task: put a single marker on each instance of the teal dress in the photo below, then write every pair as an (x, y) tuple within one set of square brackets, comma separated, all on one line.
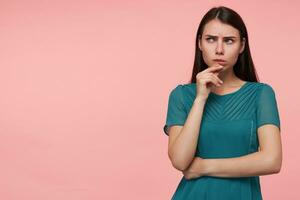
[(228, 129)]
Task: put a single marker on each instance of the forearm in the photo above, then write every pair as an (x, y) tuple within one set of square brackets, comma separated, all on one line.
[(254, 164), (184, 147)]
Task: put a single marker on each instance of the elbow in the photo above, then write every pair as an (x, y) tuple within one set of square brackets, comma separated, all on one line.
[(181, 166), (178, 163), (275, 165), (276, 168), (272, 162)]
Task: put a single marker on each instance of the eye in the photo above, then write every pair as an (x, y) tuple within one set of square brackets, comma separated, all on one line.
[(230, 40), (212, 39), (208, 39)]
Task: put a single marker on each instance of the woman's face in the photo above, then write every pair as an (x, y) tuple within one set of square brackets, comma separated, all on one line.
[(220, 41)]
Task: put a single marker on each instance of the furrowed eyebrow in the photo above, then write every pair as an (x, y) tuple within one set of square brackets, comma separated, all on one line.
[(214, 36)]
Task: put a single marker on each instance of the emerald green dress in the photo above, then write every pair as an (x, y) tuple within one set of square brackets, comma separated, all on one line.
[(228, 129)]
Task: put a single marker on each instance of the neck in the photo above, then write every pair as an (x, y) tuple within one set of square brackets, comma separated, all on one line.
[(229, 78)]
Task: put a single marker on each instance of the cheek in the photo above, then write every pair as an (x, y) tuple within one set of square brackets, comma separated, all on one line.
[(207, 57), (233, 54), (208, 52)]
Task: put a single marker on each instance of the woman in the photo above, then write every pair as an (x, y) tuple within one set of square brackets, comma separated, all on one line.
[(224, 126)]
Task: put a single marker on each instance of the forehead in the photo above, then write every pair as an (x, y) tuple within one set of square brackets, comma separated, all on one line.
[(216, 27)]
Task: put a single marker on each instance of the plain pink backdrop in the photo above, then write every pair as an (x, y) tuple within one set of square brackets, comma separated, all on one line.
[(84, 88)]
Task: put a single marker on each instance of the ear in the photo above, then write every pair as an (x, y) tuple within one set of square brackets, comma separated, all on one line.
[(199, 44), (243, 45)]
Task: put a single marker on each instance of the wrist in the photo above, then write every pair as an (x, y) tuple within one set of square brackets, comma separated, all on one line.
[(208, 166), (200, 99)]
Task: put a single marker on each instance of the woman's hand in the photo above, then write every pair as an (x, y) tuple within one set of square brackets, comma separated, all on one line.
[(207, 79), (195, 170)]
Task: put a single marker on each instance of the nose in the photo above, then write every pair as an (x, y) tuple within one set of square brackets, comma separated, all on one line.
[(220, 49)]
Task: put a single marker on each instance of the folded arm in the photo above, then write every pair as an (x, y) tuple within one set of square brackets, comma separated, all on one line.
[(266, 161)]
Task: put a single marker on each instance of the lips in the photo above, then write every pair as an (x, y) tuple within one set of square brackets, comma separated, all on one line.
[(219, 60)]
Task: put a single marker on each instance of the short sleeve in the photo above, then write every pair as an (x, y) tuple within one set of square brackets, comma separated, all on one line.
[(267, 110), (176, 112)]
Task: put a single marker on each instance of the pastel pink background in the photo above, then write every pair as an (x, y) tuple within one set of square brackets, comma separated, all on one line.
[(84, 88)]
